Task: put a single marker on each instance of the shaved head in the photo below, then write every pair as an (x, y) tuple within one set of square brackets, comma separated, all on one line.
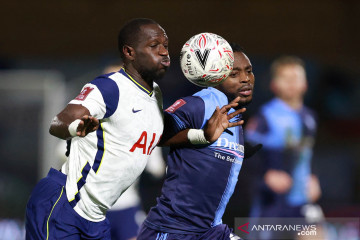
[(129, 33)]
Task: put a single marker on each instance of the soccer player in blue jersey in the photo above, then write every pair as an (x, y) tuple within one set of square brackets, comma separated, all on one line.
[(286, 128), (201, 176)]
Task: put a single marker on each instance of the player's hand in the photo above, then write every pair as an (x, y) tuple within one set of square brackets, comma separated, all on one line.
[(219, 121), (313, 188), (87, 124), (278, 181)]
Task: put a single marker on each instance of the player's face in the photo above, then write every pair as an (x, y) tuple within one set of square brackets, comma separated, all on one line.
[(289, 82), (152, 55), (240, 81)]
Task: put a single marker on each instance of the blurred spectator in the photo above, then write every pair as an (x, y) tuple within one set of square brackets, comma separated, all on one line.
[(286, 128)]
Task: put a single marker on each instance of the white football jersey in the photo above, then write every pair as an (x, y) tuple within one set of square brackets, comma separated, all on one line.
[(155, 167), (102, 165)]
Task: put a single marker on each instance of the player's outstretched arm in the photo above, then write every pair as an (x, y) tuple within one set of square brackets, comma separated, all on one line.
[(215, 126), (74, 120)]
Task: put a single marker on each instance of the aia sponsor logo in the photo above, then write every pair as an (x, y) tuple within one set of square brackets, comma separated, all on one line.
[(142, 143)]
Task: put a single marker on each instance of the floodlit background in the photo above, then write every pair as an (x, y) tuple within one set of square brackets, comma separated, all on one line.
[(50, 49)]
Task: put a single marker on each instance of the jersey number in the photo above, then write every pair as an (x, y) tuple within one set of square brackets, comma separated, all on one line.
[(142, 142)]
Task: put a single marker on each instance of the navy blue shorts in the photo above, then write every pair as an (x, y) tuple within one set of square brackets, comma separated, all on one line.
[(220, 232), (123, 223), (50, 216)]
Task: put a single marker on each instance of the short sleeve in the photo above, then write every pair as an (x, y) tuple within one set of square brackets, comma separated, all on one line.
[(185, 113), (100, 97), (91, 98)]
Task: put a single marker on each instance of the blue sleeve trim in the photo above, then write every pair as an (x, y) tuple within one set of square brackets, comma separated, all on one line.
[(191, 114), (180, 124), (110, 93)]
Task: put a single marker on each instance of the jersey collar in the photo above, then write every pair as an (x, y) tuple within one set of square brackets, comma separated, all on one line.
[(122, 71)]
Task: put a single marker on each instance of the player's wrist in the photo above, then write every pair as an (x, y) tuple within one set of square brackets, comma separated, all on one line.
[(197, 136), (73, 127)]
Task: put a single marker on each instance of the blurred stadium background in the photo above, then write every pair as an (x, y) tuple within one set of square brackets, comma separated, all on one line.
[(48, 50)]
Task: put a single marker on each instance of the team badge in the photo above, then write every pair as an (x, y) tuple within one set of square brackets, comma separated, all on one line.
[(175, 106), (84, 93)]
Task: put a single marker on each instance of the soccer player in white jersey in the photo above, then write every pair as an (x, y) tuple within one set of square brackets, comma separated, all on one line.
[(114, 124), (127, 214)]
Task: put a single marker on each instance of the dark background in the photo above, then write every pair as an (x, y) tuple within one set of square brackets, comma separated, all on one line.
[(78, 38)]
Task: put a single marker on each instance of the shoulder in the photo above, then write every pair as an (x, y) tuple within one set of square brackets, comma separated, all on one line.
[(109, 91), (187, 112), (189, 103), (273, 103), (105, 82), (212, 96), (273, 109)]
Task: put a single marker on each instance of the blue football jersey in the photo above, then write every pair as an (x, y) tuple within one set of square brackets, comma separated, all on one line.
[(287, 136), (200, 179)]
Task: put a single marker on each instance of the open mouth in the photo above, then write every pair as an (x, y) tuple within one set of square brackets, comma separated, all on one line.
[(165, 62), (245, 91)]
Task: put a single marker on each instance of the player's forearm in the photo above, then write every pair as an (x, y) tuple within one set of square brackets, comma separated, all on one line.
[(180, 139), (186, 138)]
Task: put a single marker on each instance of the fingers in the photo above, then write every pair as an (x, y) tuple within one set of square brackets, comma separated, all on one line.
[(237, 112), (232, 104), (231, 115), (81, 127), (95, 121), (227, 107), (86, 125), (234, 124), (95, 124), (87, 121), (236, 100)]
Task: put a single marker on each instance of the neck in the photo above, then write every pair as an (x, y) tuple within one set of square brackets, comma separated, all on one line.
[(146, 83), (295, 104)]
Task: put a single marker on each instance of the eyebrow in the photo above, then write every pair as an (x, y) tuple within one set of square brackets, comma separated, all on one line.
[(239, 69), (248, 66)]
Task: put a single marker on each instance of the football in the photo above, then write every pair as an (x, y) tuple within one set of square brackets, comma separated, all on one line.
[(206, 59)]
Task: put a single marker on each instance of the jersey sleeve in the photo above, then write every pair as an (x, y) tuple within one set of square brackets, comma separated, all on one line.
[(185, 113), (100, 97)]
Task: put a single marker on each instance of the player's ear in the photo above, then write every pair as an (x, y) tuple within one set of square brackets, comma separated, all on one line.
[(128, 52)]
